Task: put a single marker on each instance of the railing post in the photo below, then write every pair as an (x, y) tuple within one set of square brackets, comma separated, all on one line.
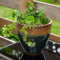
[(23, 4)]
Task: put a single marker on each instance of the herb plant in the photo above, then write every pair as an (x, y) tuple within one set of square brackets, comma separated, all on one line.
[(31, 18), (6, 32)]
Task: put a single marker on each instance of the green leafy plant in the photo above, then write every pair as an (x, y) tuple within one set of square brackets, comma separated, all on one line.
[(6, 32), (31, 18), (0, 31)]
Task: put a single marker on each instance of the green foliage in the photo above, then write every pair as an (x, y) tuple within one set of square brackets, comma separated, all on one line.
[(0, 31), (0, 47), (6, 32), (31, 18), (31, 43), (16, 15)]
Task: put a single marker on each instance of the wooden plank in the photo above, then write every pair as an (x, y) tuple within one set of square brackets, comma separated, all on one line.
[(4, 21), (54, 38), (51, 11), (5, 41), (3, 57), (15, 4)]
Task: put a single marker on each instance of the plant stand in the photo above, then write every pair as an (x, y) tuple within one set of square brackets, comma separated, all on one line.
[(38, 57)]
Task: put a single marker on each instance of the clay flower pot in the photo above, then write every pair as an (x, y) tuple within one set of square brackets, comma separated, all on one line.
[(39, 35)]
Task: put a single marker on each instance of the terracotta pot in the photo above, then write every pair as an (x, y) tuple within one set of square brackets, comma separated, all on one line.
[(43, 29), (40, 35)]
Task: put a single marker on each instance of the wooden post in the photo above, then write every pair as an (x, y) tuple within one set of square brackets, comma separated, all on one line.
[(23, 4)]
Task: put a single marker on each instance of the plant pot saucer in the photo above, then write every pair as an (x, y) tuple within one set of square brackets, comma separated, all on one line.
[(29, 57)]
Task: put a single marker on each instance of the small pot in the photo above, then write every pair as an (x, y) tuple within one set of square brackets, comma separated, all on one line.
[(39, 35)]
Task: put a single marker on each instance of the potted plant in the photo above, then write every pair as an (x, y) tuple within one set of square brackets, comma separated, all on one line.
[(33, 29)]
